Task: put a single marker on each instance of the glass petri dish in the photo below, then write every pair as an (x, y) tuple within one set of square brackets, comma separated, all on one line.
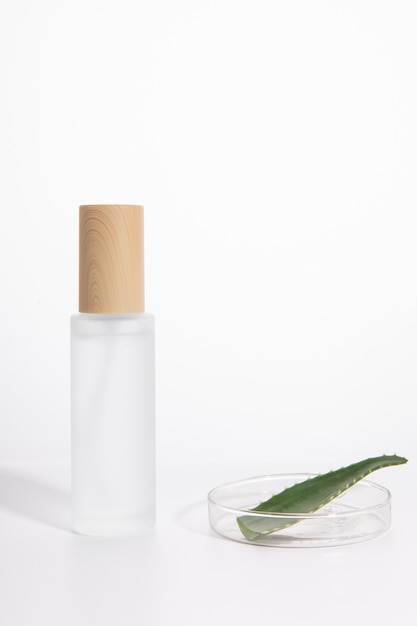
[(361, 513)]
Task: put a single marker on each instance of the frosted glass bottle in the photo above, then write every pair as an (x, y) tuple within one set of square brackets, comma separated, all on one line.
[(113, 408), (112, 378)]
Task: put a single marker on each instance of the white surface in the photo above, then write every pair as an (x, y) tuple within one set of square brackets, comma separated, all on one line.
[(181, 573), (273, 146)]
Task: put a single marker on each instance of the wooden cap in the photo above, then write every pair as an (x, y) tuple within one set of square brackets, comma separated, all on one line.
[(111, 259)]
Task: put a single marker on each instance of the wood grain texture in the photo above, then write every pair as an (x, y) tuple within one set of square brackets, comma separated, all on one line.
[(111, 259)]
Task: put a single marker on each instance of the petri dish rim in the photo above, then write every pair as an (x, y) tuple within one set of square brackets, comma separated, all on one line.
[(301, 516)]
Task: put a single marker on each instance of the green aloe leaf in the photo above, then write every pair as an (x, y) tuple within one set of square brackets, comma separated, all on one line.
[(309, 496)]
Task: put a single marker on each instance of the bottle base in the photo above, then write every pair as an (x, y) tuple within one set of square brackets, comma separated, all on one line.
[(126, 528)]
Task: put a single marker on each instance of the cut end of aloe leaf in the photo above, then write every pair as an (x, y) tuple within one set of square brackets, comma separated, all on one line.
[(246, 531), (308, 496)]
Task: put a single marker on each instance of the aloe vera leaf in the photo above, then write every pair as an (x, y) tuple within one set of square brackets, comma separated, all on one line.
[(309, 496)]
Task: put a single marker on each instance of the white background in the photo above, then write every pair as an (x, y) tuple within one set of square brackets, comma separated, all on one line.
[(273, 145)]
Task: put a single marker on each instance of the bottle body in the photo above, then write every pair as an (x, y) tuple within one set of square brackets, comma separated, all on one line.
[(112, 423)]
